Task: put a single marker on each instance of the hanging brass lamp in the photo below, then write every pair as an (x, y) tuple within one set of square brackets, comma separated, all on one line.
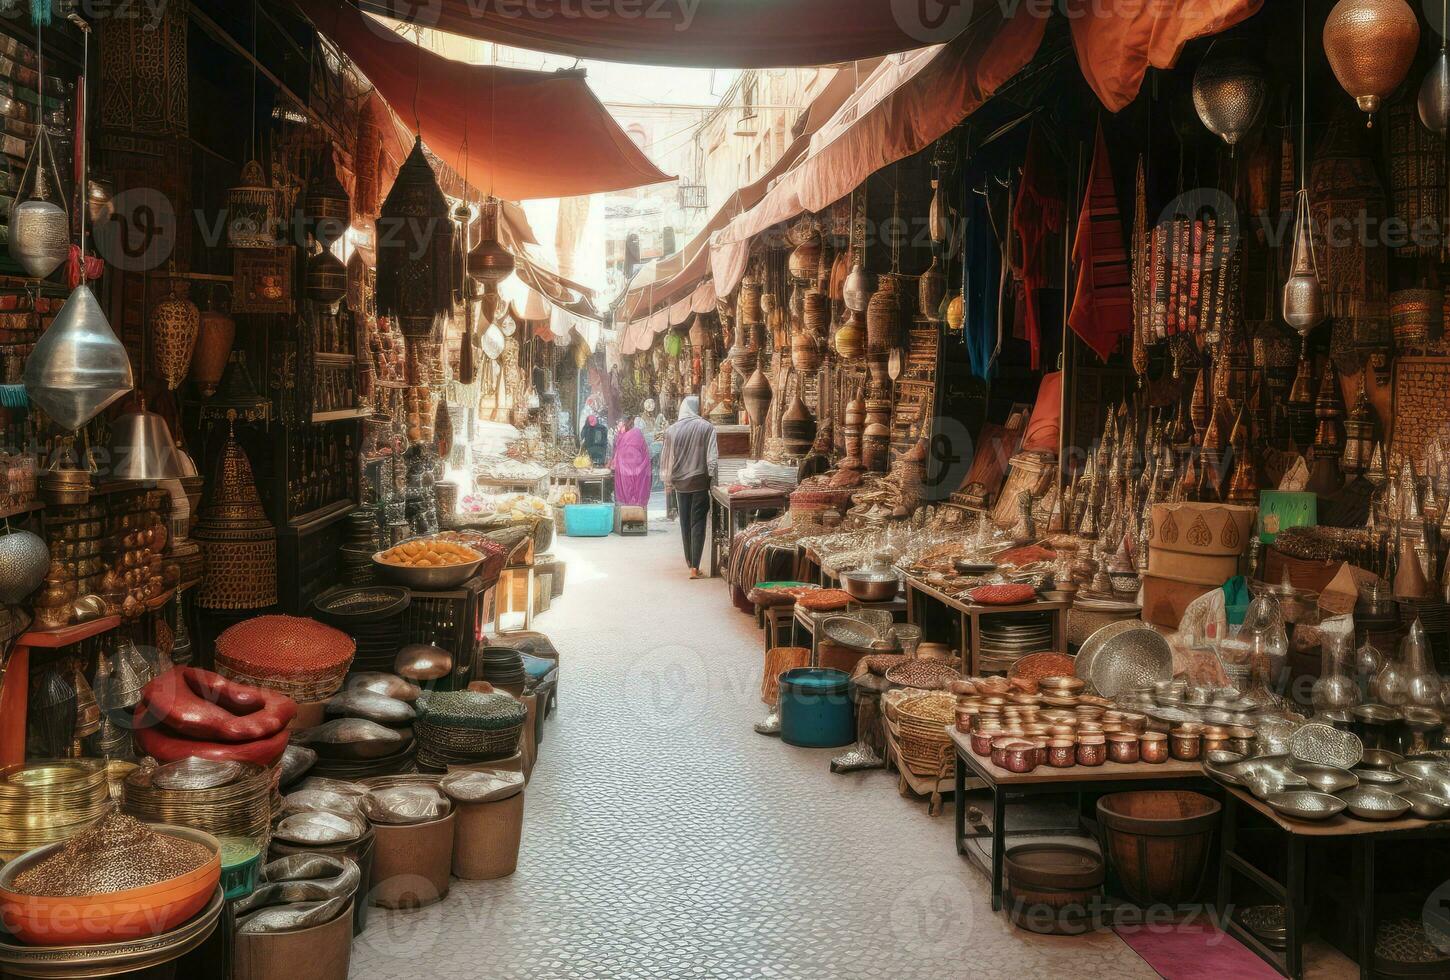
[(142, 446), (489, 261), (1370, 45)]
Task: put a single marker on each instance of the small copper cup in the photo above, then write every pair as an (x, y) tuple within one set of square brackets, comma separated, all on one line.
[(1058, 732), (1241, 740), (1062, 753), (999, 749), (964, 720), (1092, 750), (1134, 722), (1123, 747), (1215, 738), (1019, 756), (982, 741), (1153, 747), (1185, 746)]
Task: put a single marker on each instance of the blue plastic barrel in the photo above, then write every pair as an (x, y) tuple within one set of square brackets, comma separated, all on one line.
[(816, 711)]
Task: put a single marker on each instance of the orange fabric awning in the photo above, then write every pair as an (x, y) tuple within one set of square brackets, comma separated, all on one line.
[(910, 101), (693, 33), (1116, 46), (517, 134), (666, 279)]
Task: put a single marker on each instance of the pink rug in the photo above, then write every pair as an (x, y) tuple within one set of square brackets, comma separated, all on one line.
[(1194, 951)]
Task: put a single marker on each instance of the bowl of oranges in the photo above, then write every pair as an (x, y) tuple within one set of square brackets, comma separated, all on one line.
[(427, 564)]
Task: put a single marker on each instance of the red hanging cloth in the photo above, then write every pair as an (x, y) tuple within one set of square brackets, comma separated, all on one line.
[(1037, 216), (1102, 307)]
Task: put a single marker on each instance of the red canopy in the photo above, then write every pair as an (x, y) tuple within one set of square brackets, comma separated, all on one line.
[(694, 33), (517, 134)]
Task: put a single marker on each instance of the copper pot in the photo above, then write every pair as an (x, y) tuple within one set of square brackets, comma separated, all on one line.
[(1185, 746), (1123, 747), (1153, 747), (1092, 750), (1019, 756), (1062, 753), (982, 741)]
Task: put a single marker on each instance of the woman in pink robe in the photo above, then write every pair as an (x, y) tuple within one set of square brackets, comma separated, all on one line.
[(631, 467)]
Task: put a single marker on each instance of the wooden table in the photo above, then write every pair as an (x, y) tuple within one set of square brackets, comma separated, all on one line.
[(726, 510), (1299, 836), (1001, 785), (969, 618)]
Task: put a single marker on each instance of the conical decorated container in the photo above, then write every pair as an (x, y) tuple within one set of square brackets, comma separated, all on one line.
[(78, 367), (175, 322), (325, 205), (415, 249), (757, 395), (237, 541), (798, 427)]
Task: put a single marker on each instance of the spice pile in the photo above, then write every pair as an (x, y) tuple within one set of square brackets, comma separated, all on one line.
[(117, 854)]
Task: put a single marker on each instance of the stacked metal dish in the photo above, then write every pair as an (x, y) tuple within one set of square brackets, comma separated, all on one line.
[(45, 802), (1007, 639), (372, 615), (499, 666), (232, 801), (461, 727)]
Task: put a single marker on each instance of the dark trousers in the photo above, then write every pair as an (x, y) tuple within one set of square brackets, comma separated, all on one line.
[(694, 515)]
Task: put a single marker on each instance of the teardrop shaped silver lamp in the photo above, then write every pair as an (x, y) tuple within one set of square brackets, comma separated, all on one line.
[(78, 366), (142, 447)]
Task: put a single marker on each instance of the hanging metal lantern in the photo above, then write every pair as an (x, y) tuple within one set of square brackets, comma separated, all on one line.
[(1370, 45), (326, 280), (493, 342), (40, 227), (850, 338), (77, 367), (1434, 102), (956, 313), (1229, 92), (856, 290), (175, 322), (142, 446), (415, 249), (1303, 297), (252, 210), (805, 259), (214, 339), (489, 261), (24, 560), (938, 222), (325, 205)]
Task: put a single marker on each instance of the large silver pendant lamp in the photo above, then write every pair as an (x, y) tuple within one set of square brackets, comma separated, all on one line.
[(78, 366)]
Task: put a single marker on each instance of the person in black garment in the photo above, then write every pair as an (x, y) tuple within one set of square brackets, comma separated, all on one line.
[(689, 464), (594, 440)]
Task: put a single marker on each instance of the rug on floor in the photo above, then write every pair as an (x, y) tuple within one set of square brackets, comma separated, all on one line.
[(1195, 951)]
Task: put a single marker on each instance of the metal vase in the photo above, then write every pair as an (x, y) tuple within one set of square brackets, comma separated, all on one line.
[(1303, 298), (78, 367)]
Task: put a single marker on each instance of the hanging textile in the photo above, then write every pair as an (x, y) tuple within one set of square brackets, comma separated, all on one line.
[(1117, 41), (983, 294), (1037, 216), (1102, 308)]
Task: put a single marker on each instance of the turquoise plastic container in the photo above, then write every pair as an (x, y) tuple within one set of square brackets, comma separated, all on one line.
[(816, 711), (588, 520)]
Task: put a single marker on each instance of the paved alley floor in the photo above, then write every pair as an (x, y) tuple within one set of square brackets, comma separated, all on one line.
[(664, 838)]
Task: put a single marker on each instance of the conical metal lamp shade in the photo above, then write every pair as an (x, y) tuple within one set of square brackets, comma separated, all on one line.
[(78, 367), (143, 448)]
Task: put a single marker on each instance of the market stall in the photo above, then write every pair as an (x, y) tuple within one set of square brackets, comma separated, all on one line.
[(1151, 458)]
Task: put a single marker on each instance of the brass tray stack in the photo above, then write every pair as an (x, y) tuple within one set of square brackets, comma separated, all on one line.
[(232, 801), (47, 801)]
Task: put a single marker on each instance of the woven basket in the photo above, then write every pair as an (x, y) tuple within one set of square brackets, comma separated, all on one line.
[(920, 729)]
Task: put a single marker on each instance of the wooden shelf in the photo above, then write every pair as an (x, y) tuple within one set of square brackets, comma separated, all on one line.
[(54, 639)]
